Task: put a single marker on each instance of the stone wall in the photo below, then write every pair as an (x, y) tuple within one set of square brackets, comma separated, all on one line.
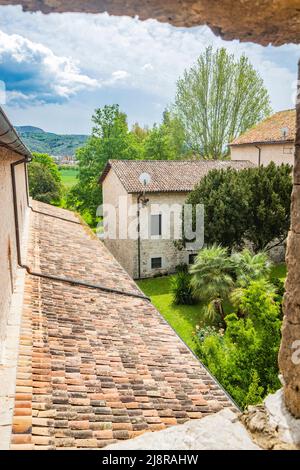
[(277, 153), (159, 247), (125, 250), (8, 251)]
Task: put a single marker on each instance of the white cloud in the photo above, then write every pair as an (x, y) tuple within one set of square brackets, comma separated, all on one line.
[(147, 67), (141, 57), (119, 75), (152, 54), (34, 74)]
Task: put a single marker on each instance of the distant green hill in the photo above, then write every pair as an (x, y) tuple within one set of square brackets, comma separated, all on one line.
[(38, 140)]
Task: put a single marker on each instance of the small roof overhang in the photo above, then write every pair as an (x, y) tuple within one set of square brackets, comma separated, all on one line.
[(9, 137)]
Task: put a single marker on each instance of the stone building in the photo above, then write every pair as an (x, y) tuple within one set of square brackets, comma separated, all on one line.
[(13, 157), (154, 250), (272, 140)]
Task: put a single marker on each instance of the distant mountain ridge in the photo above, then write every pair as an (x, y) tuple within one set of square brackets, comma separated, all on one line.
[(38, 140)]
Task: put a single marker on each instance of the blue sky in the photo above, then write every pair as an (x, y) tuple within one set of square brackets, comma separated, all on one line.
[(58, 68)]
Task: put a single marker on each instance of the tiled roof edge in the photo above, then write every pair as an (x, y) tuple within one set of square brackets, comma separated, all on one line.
[(262, 142)]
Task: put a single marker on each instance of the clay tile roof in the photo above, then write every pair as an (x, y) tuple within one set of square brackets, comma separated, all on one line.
[(95, 367), (166, 175), (270, 130)]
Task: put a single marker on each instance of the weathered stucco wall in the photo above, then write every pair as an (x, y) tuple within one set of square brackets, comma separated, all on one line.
[(261, 21), (122, 249), (278, 153), (8, 252)]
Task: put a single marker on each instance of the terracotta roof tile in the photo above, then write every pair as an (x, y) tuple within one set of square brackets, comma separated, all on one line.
[(270, 130), (166, 175), (96, 367)]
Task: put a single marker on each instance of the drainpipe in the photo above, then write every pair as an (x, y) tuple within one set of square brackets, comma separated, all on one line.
[(141, 198), (259, 155), (27, 185), (139, 234)]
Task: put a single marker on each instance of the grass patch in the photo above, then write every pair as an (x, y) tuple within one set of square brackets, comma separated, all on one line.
[(183, 318), (69, 176), (279, 271)]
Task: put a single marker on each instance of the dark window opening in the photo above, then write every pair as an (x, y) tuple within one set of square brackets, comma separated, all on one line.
[(192, 258), (156, 263)]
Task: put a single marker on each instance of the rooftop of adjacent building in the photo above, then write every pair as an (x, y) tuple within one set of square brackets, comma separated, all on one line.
[(275, 129), (166, 175)]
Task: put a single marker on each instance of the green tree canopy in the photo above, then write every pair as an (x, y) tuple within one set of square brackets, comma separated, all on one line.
[(110, 139), (218, 99), (251, 204), (42, 184), (269, 204), (44, 179), (166, 141), (48, 161), (225, 198)]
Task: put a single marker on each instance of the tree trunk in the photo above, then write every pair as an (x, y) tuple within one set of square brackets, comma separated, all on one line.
[(289, 355), (221, 311)]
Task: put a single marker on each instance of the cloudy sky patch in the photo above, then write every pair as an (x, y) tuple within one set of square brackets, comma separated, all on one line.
[(77, 62), (34, 75)]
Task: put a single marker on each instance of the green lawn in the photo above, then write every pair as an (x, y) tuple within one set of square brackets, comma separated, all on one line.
[(68, 176), (184, 318), (279, 271)]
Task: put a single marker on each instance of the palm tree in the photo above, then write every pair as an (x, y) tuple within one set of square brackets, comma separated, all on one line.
[(212, 279), (250, 267)]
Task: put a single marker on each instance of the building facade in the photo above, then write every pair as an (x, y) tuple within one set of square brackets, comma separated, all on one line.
[(272, 140), (12, 151), (147, 220)]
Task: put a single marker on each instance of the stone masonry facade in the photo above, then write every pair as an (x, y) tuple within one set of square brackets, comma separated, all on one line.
[(157, 246), (96, 367), (170, 182)]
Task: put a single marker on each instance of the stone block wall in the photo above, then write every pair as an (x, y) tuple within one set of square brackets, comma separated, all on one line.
[(157, 246), (126, 250)]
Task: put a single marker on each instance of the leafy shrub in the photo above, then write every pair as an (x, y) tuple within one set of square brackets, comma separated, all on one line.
[(279, 292), (249, 267), (279, 287), (212, 280), (181, 289), (218, 277), (202, 333), (182, 267), (244, 359)]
